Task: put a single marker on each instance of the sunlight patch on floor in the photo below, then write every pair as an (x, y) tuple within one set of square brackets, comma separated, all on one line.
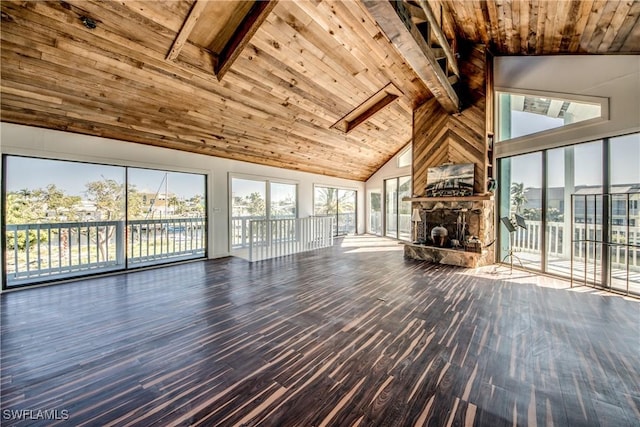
[(370, 244), (519, 276)]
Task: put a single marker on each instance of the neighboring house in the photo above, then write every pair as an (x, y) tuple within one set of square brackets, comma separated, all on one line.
[(555, 200)]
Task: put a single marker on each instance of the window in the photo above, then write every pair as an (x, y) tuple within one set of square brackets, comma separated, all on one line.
[(398, 212), (520, 113), (405, 157), (579, 170), (283, 200), (624, 184), (170, 224), (391, 207), (65, 219), (570, 170), (338, 202), (375, 214), (253, 199), (520, 194)]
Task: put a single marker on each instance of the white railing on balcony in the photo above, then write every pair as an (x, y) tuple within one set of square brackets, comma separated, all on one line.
[(280, 237), (49, 251), (150, 240), (240, 230), (345, 224), (37, 252), (559, 241)]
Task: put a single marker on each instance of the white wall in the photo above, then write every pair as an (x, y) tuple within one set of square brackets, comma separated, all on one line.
[(616, 77), (37, 142), (375, 183)]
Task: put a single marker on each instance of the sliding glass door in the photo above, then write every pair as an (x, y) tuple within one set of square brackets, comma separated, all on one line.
[(397, 211), (248, 202), (66, 219), (624, 216), (340, 203), (391, 208), (591, 188), (375, 213), (254, 199), (166, 216), (521, 194), (571, 170)]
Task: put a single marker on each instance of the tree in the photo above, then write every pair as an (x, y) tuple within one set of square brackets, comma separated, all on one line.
[(326, 201), (518, 199), (108, 197), (533, 214), (255, 204), (134, 203), (37, 206), (177, 204), (554, 215), (41, 205), (195, 206), (59, 205)]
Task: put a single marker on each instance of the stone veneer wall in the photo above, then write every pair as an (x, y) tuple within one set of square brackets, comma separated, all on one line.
[(480, 221), (479, 216), (448, 256)]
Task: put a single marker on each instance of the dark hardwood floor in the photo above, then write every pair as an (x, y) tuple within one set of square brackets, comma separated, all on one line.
[(353, 335)]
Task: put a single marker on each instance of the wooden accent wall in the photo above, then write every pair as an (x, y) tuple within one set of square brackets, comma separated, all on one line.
[(459, 138)]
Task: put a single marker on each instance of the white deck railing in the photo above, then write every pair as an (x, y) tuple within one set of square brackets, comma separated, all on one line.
[(49, 251), (345, 224), (279, 237), (240, 230), (559, 241)]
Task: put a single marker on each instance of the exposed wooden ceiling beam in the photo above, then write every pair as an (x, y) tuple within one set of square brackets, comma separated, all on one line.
[(416, 12), (442, 40), (379, 105), (395, 21), (368, 108), (242, 35), (187, 27)]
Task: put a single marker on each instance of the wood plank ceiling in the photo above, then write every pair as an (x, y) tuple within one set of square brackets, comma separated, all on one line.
[(147, 72), (307, 66), (543, 27)]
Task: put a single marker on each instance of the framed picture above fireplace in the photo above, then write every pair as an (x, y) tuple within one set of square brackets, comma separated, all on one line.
[(450, 180)]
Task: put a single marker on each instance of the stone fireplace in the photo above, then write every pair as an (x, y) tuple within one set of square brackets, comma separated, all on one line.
[(466, 137), (468, 221)]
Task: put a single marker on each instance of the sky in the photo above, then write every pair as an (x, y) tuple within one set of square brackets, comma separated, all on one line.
[(32, 173), (279, 192)]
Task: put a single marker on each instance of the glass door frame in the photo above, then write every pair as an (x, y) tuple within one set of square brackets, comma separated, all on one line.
[(380, 231), (123, 255), (267, 198), (603, 279), (398, 204), (337, 213)]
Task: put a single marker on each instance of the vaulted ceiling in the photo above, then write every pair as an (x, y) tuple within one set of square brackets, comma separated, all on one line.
[(308, 85), (545, 27)]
